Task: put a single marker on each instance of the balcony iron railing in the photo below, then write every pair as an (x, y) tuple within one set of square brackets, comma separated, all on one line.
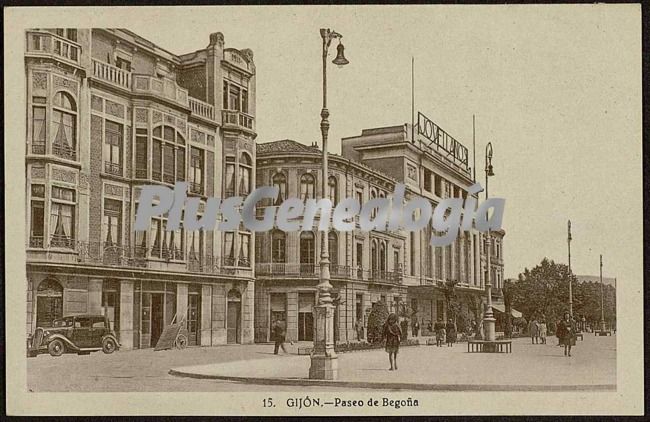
[(36, 241), (64, 151), (40, 42), (59, 241), (336, 271), (38, 148), (196, 188), (238, 119), (112, 168)]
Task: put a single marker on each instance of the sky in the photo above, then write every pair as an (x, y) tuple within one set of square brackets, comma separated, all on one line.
[(556, 89)]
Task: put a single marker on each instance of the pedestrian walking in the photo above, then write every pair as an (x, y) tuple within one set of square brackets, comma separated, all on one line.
[(567, 333), (393, 335), (359, 329), (451, 334), (279, 335), (429, 329), (542, 331), (404, 326), (533, 330), (416, 328), (440, 333)]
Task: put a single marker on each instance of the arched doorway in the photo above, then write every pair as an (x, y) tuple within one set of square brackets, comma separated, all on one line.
[(233, 316), (49, 302)]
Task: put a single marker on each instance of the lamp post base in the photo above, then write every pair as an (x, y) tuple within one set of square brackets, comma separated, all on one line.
[(324, 362), (489, 328)]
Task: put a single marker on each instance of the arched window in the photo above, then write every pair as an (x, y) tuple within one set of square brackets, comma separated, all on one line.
[(64, 126), (168, 157), (307, 184), (245, 169), (49, 302), (382, 256), (307, 248), (332, 190), (230, 176), (373, 255), (280, 181), (333, 250), (373, 195), (278, 247)]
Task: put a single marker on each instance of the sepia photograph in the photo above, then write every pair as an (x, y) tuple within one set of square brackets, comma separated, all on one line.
[(324, 210)]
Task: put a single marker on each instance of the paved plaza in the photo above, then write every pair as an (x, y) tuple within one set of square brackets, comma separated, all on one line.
[(529, 367)]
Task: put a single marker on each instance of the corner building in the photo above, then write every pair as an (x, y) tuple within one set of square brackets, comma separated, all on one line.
[(107, 112)]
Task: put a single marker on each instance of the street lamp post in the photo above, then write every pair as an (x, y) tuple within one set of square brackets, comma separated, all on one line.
[(488, 320), (602, 301), (570, 292), (324, 363)]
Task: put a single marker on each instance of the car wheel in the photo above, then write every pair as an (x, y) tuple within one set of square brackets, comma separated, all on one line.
[(181, 341), (56, 347), (108, 345)]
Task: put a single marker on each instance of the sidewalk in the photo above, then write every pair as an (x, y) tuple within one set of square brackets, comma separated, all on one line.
[(529, 367)]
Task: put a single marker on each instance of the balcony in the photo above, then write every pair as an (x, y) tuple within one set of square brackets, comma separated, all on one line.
[(36, 242), (112, 74), (388, 277), (112, 168), (42, 43), (202, 109), (163, 88), (38, 148), (237, 120), (287, 270), (196, 188), (64, 151)]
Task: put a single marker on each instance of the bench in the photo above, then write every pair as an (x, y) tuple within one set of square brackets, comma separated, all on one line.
[(496, 346)]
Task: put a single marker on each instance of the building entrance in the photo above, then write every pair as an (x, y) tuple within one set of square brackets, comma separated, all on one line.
[(193, 318), (234, 316), (49, 303)]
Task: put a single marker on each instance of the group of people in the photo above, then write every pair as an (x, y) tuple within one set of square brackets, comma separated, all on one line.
[(565, 331), (445, 333), (537, 330)]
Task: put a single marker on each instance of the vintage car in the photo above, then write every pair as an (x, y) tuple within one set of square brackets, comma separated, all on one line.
[(79, 334)]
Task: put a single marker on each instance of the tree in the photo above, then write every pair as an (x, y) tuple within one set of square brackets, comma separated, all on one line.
[(507, 301), (475, 305), (376, 320), (451, 299)]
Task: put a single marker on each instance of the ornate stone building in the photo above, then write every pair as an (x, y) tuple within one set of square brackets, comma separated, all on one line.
[(107, 112), (365, 267)]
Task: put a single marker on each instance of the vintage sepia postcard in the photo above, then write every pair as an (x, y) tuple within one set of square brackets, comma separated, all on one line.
[(324, 210)]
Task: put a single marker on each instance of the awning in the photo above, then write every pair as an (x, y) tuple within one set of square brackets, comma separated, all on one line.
[(502, 308)]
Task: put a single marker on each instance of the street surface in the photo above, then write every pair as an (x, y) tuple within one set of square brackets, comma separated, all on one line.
[(593, 363)]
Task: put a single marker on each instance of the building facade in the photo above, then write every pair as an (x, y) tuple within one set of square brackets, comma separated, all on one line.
[(108, 111)]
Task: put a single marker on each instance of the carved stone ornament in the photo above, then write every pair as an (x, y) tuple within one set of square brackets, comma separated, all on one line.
[(39, 80)]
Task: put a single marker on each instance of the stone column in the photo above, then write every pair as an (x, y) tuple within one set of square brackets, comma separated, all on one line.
[(206, 315), (181, 300), (126, 314), (95, 296), (292, 315), (247, 309)]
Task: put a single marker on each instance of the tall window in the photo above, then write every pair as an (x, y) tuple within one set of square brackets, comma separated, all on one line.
[(382, 256), (307, 184), (62, 217), (373, 195), (373, 255), (112, 222), (196, 170), (359, 258), (230, 177), (229, 248), (166, 244), (278, 247), (37, 228), (141, 154), (245, 170), (396, 264), (235, 98), (437, 185), (333, 248), (280, 181), (427, 180), (168, 163), (307, 249), (332, 190), (113, 148), (64, 126), (412, 252), (244, 249), (195, 240), (38, 127)]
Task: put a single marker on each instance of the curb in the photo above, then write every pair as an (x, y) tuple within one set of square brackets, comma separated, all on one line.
[(305, 382)]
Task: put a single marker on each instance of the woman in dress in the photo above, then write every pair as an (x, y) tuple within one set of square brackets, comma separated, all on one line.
[(440, 333), (566, 332), (393, 334)]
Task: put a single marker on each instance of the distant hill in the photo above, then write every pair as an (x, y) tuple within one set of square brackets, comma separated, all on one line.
[(596, 279)]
